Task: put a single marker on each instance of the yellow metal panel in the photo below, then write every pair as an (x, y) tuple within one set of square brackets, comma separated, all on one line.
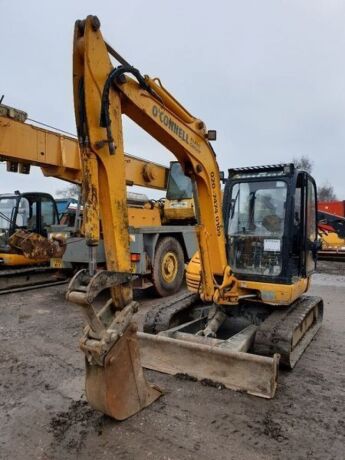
[(145, 173), (24, 143), (138, 217), (56, 263), (270, 293), (331, 241), (19, 259), (276, 294), (179, 210)]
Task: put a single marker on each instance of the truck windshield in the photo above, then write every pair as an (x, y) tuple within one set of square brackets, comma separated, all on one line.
[(179, 185), (256, 226)]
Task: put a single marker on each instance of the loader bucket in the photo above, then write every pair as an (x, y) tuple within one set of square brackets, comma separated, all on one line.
[(241, 371), (119, 388)]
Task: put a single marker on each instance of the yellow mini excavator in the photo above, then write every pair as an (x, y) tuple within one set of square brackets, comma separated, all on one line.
[(246, 308)]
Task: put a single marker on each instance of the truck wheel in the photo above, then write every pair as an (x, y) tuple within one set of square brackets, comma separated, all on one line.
[(168, 267)]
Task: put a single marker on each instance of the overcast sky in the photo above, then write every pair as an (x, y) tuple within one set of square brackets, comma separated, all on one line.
[(269, 76)]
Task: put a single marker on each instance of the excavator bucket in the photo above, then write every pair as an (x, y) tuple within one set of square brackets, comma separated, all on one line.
[(119, 388), (115, 381)]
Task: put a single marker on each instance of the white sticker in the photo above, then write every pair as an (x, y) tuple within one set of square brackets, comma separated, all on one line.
[(272, 245), (178, 204)]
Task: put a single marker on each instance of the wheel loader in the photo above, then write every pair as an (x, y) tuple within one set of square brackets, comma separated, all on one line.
[(246, 307)]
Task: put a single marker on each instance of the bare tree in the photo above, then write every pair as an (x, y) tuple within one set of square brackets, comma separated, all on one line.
[(304, 163), (72, 191), (326, 193)]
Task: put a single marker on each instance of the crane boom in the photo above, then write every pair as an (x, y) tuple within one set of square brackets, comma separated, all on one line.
[(23, 145)]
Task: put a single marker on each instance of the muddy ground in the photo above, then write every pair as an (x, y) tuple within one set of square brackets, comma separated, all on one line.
[(44, 415)]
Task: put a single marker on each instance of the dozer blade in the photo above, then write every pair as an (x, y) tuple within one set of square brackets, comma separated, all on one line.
[(239, 371), (119, 388)]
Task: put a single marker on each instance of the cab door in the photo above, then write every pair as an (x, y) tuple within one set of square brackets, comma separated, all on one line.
[(48, 213), (304, 226), (311, 242), (43, 212)]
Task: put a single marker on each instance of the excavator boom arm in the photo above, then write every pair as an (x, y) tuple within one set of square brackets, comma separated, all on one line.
[(102, 95), (114, 381)]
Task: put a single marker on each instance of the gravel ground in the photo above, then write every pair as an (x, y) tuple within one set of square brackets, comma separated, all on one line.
[(44, 415)]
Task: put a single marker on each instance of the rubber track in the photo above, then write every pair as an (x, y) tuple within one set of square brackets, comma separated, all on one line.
[(331, 256), (9, 272), (25, 279), (33, 286), (159, 317), (274, 335)]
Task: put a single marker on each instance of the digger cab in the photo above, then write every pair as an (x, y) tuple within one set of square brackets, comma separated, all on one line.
[(270, 220), (32, 211), (179, 202)]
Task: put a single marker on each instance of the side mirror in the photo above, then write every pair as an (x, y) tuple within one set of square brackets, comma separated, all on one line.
[(211, 135), (315, 247), (222, 177)]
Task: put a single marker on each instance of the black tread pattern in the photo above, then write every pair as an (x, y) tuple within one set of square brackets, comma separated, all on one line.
[(159, 317), (274, 335)]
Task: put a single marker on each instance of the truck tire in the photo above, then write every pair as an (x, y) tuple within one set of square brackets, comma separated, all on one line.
[(168, 267)]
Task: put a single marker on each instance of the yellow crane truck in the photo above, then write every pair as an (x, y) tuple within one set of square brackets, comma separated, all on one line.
[(162, 236), (246, 307)]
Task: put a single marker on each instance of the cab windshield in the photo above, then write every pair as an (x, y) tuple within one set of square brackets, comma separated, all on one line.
[(256, 226), (179, 185), (258, 208), (7, 204)]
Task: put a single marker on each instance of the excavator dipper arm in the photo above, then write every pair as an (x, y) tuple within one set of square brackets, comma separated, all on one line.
[(115, 383)]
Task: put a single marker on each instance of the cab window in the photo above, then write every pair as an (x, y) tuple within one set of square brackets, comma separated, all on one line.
[(179, 186), (47, 212), (23, 213), (256, 227)]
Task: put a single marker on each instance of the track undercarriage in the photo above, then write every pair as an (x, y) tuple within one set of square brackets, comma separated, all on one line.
[(238, 347), (26, 278)]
